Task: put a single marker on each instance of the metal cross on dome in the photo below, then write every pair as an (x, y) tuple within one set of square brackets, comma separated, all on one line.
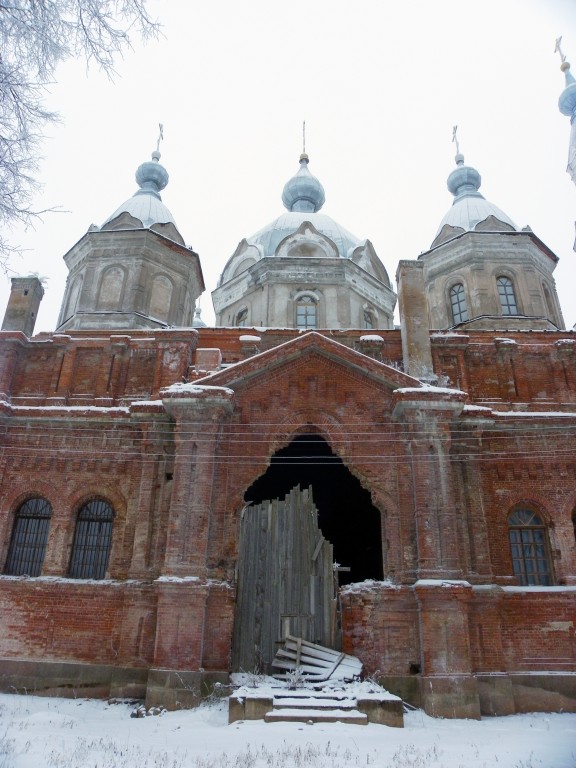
[(160, 136), (559, 49), (455, 139)]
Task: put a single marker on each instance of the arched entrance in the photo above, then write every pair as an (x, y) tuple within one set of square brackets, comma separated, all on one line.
[(346, 515), (305, 513)]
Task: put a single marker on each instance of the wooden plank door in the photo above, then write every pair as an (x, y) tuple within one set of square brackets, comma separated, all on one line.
[(285, 581)]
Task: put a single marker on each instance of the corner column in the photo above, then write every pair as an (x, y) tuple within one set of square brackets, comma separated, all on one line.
[(427, 415), (198, 413), (187, 600), (416, 347), (448, 688)]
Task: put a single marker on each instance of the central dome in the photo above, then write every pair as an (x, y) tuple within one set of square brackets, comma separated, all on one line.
[(303, 196), (269, 237), (304, 270)]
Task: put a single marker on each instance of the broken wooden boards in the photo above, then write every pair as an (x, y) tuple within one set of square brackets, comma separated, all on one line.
[(314, 663)]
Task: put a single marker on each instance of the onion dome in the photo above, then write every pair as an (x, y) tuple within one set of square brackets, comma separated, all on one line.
[(567, 100), (303, 230), (198, 322), (470, 207), (146, 205), (567, 105), (303, 192), (303, 196)]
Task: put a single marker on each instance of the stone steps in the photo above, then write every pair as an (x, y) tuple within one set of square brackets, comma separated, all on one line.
[(275, 704), (324, 702), (312, 707), (311, 715)]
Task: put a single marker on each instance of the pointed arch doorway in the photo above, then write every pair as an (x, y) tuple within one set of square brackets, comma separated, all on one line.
[(286, 580)]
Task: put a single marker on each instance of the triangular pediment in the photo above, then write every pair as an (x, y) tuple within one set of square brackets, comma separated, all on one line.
[(297, 349), (448, 232), (307, 241), (493, 224)]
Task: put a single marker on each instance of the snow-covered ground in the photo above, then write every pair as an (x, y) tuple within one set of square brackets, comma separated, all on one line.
[(40, 732)]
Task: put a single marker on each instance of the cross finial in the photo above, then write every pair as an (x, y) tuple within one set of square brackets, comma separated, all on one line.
[(558, 49), (304, 137), (160, 136), (455, 139)]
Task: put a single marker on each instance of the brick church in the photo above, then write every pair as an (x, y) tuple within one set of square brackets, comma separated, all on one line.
[(174, 497)]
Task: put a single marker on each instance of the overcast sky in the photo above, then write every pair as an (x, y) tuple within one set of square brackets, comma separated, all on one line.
[(380, 85)]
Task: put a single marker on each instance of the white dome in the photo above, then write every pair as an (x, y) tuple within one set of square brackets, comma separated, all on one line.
[(146, 205), (269, 237), (469, 207)]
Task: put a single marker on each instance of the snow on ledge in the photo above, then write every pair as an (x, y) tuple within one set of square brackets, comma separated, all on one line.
[(192, 580), (373, 338), (471, 408), (429, 388), (109, 411), (442, 583), (532, 414), (195, 389), (529, 590), (78, 582), (369, 585), (176, 579)]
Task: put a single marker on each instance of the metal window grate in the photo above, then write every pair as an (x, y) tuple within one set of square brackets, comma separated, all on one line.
[(529, 548), (29, 537), (92, 541)]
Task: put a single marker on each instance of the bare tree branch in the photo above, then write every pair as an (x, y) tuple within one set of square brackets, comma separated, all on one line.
[(35, 36)]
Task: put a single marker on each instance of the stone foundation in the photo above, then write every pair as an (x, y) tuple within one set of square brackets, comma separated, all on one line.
[(175, 689), (72, 680)]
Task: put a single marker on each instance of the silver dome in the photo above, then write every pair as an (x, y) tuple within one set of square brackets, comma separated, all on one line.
[(146, 204), (470, 207)]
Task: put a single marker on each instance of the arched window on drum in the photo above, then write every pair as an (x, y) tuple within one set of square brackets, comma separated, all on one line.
[(306, 312), (458, 304)]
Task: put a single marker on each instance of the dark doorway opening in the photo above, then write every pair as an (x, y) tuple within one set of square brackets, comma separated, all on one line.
[(346, 515)]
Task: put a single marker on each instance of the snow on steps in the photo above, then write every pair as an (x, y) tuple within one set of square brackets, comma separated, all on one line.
[(312, 707), (273, 701)]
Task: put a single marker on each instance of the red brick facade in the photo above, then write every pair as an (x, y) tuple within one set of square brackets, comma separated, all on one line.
[(120, 417)]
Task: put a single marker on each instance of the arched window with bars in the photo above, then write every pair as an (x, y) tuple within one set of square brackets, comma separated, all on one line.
[(29, 537), (529, 548), (92, 540), (507, 295), (458, 303)]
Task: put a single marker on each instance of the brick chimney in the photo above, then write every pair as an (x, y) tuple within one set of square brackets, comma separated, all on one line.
[(23, 304), (416, 349)]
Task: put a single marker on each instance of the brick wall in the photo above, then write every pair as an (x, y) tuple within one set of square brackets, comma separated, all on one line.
[(65, 620), (443, 473)]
